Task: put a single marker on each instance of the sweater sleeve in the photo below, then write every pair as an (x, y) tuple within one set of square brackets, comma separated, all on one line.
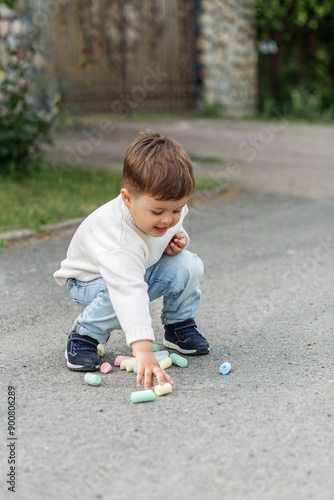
[(182, 230), (124, 273)]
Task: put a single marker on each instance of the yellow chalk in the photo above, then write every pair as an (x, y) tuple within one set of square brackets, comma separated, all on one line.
[(160, 390), (130, 365), (165, 363), (100, 350)]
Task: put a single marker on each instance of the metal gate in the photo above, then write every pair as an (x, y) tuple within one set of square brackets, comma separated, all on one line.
[(123, 55)]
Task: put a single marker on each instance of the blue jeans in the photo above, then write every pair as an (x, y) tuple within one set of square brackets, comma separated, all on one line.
[(176, 278)]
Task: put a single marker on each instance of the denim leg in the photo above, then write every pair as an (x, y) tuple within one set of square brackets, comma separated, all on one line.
[(177, 279), (98, 318)]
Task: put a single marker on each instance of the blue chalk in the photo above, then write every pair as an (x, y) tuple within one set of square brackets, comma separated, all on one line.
[(225, 368)]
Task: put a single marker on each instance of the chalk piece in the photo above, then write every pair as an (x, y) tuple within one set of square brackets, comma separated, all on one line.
[(156, 347), (100, 350), (124, 363), (92, 379), (105, 367), (142, 396), (225, 368), (178, 360), (160, 390), (161, 357), (130, 364), (160, 353), (165, 363), (119, 359)]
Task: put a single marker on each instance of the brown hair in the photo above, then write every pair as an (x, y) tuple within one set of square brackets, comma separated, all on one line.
[(159, 167)]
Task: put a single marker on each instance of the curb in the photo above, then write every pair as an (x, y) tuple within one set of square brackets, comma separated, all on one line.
[(52, 229)]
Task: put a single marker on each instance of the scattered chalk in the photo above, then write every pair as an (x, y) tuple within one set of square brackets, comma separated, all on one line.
[(105, 367), (92, 379), (225, 368), (161, 357), (165, 363), (160, 353), (178, 360), (142, 396), (130, 364), (119, 359), (123, 364), (100, 350), (160, 390), (156, 347)]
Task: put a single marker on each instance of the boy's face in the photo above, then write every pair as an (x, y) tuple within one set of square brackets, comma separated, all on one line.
[(153, 216)]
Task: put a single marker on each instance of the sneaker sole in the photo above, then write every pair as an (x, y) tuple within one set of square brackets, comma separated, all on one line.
[(193, 352), (80, 368)]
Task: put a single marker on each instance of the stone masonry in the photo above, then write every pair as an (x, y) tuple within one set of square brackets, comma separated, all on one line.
[(227, 56)]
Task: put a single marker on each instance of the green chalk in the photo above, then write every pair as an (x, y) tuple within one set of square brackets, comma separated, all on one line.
[(160, 358), (178, 360), (156, 347), (92, 379), (142, 396)]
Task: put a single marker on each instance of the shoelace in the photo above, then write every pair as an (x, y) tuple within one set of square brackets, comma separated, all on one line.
[(83, 346)]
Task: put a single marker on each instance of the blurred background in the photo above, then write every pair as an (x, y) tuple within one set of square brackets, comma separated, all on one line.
[(66, 63), (231, 57)]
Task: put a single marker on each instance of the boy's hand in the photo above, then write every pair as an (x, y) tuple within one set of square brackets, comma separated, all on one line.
[(147, 365), (176, 244)]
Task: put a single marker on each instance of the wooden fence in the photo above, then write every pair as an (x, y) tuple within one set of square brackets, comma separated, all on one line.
[(121, 55)]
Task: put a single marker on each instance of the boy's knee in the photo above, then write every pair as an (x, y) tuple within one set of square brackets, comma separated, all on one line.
[(196, 265), (189, 266)]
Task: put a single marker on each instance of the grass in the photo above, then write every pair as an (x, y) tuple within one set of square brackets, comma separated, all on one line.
[(207, 159), (54, 196)]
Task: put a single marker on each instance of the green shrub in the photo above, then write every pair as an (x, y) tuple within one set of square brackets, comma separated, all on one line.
[(24, 128)]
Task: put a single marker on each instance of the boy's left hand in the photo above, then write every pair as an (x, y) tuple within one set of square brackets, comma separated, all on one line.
[(176, 244)]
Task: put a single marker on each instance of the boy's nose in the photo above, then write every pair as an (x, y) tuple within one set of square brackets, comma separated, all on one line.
[(167, 220)]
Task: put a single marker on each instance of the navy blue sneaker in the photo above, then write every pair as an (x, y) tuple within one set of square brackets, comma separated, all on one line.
[(184, 337), (81, 353)]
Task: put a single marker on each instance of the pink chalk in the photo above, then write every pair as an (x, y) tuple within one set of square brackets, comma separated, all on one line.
[(105, 367), (119, 359)]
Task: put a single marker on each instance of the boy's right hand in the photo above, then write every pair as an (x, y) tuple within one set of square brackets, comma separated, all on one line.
[(147, 365)]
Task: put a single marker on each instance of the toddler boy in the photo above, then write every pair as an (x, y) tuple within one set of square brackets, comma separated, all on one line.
[(131, 251)]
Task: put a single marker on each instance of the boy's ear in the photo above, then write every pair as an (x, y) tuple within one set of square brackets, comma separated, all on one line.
[(126, 195)]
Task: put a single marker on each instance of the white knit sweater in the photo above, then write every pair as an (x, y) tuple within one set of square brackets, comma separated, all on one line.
[(109, 244)]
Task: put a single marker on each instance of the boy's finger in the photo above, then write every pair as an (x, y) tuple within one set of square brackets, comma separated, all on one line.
[(161, 376), (139, 377), (148, 379), (168, 378)]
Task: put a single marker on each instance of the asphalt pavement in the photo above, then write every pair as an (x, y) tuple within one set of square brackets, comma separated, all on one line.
[(265, 431)]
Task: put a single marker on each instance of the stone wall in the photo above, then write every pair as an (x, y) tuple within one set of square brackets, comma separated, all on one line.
[(227, 56)]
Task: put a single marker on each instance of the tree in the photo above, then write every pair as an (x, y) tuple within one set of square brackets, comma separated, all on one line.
[(304, 62)]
